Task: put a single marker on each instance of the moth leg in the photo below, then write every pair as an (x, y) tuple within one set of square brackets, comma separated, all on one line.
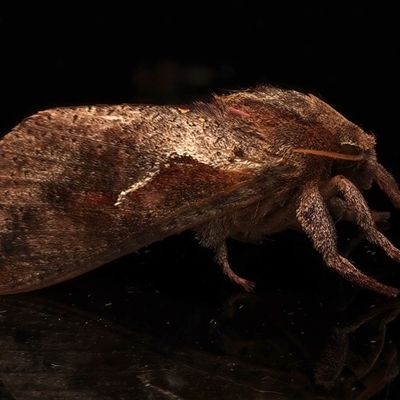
[(387, 183), (213, 236), (356, 202), (221, 256), (342, 211), (316, 222)]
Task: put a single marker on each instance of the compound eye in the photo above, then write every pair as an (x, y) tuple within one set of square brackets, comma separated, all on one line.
[(350, 149)]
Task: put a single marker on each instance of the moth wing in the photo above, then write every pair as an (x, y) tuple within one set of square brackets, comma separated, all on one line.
[(81, 187)]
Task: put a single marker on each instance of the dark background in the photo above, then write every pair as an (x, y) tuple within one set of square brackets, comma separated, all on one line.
[(74, 53)]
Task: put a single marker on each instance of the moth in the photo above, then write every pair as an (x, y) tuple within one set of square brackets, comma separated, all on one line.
[(81, 186)]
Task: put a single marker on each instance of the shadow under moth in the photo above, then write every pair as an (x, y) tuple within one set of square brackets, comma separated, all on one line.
[(81, 186)]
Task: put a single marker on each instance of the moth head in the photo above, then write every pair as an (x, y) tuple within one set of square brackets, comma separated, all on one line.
[(355, 158), (359, 148), (359, 171)]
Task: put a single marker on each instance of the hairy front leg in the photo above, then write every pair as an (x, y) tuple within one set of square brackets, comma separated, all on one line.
[(341, 210), (356, 202), (316, 222)]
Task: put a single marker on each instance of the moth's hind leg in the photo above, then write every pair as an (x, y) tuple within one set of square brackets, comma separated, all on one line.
[(221, 256), (213, 236), (315, 220)]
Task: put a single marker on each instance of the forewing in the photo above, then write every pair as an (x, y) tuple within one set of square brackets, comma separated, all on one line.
[(83, 186)]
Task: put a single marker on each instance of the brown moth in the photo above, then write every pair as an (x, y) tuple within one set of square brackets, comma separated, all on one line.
[(81, 186)]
